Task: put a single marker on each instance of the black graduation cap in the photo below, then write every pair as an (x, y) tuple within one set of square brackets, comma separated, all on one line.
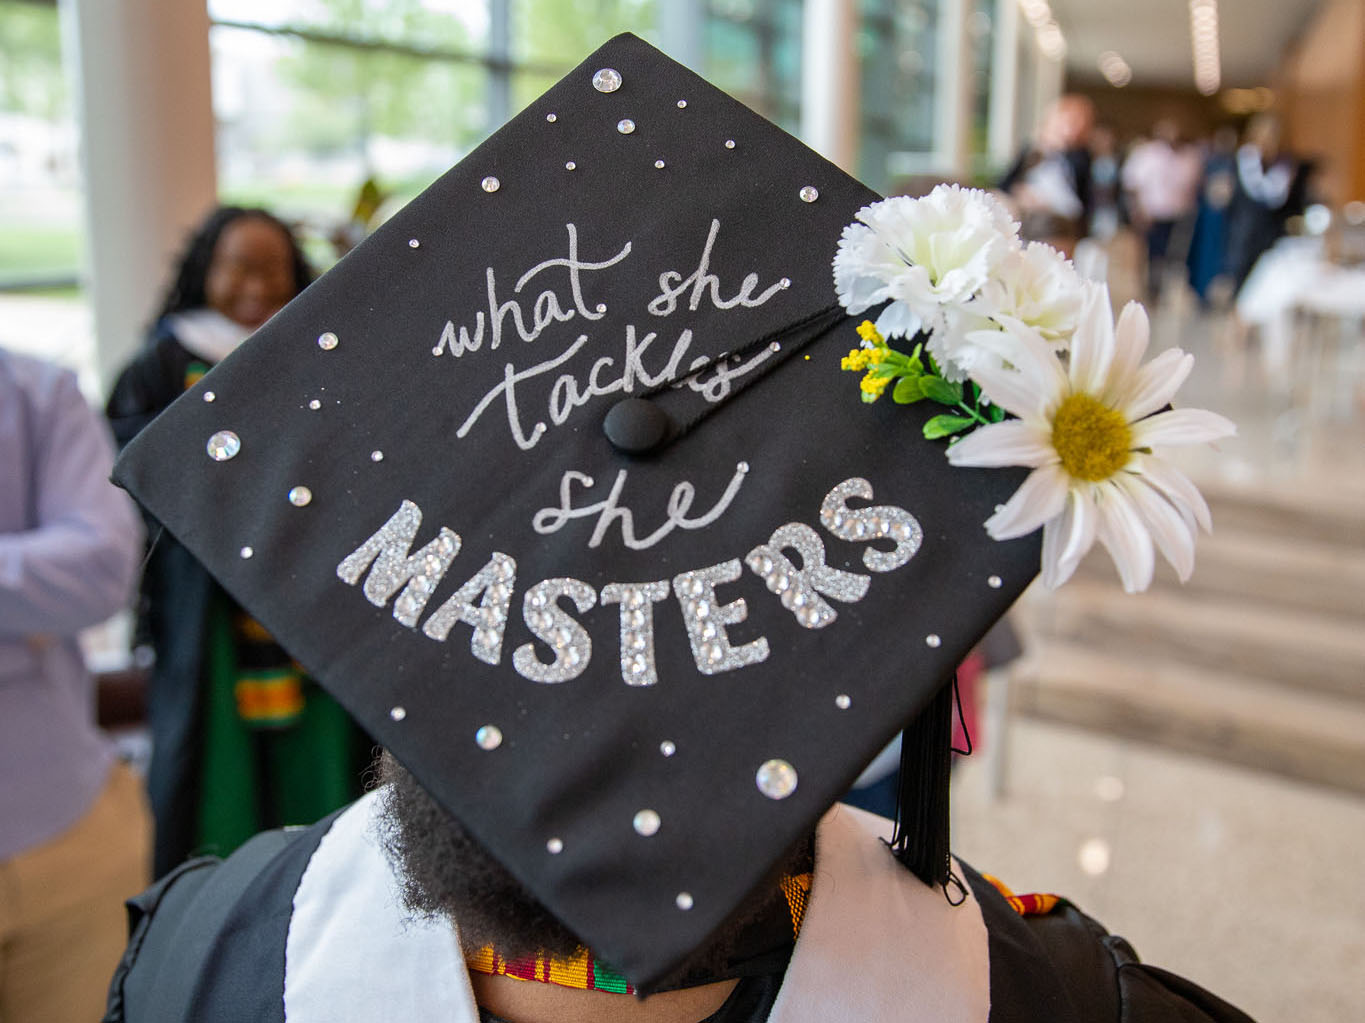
[(554, 482)]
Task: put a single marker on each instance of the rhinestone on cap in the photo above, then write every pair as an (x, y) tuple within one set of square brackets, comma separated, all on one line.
[(658, 165), (490, 184), (376, 456), (488, 737), (209, 396), (933, 640), (607, 80), (413, 243), (551, 118), (554, 846), (246, 552), (300, 496), (843, 701), (327, 341), (682, 104), (224, 445), (398, 713), (315, 404), (995, 582), (729, 143), (684, 901), (668, 747), (809, 194), (646, 823), (776, 779), (625, 126), (570, 165)]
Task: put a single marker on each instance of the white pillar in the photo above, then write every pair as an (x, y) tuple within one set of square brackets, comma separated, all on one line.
[(144, 106), (953, 90), (1003, 128), (1051, 77), (829, 81)]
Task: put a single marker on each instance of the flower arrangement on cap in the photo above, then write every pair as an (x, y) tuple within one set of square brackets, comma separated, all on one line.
[(1001, 329)]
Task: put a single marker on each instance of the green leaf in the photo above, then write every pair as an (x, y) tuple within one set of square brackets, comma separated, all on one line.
[(941, 390), (995, 413), (907, 390), (944, 426)]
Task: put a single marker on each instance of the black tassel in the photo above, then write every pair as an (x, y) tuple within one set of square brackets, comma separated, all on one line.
[(920, 840)]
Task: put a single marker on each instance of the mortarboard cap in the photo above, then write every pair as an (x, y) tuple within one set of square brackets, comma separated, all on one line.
[(554, 483)]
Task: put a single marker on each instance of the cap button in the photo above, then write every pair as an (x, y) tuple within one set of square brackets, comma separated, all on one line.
[(635, 425)]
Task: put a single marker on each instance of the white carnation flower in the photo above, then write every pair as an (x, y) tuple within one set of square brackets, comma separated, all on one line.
[(1087, 431), (951, 346), (1038, 286), (921, 254)]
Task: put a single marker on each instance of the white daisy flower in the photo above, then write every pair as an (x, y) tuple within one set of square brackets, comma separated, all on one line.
[(1087, 431), (922, 254)]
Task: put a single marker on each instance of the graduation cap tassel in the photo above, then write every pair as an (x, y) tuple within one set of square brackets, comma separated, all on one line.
[(920, 840)]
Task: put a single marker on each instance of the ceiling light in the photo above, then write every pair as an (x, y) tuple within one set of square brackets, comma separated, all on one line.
[(1051, 41), (1204, 41), (1115, 69), (1036, 12)]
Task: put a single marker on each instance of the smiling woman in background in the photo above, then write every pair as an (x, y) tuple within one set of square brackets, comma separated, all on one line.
[(241, 738)]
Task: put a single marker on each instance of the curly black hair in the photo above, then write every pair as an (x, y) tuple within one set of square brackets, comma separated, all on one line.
[(444, 871), (186, 290)]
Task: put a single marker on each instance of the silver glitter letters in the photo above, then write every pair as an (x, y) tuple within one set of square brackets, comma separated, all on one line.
[(800, 588), (672, 285), (637, 602), (551, 624), (873, 523), (489, 617), (393, 567), (706, 619)]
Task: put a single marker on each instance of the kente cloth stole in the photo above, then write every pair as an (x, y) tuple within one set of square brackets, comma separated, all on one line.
[(1035, 904), (585, 972)]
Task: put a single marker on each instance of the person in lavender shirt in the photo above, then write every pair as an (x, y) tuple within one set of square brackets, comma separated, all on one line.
[(74, 827)]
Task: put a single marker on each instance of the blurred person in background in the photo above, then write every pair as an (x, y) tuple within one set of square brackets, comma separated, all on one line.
[(1049, 183), (74, 827), (1208, 257), (241, 739), (1106, 193), (1264, 197), (1162, 177)]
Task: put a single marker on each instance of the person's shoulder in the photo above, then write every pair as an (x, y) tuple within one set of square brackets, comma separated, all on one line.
[(213, 925), (1050, 960), (153, 378)]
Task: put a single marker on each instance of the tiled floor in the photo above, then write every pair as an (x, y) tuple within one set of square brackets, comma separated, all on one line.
[(1243, 882)]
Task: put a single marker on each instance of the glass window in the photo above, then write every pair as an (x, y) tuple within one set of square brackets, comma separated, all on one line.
[(549, 37), (334, 113), (897, 53), (42, 228), (981, 43), (560, 33), (753, 52), (40, 191), (436, 25)]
